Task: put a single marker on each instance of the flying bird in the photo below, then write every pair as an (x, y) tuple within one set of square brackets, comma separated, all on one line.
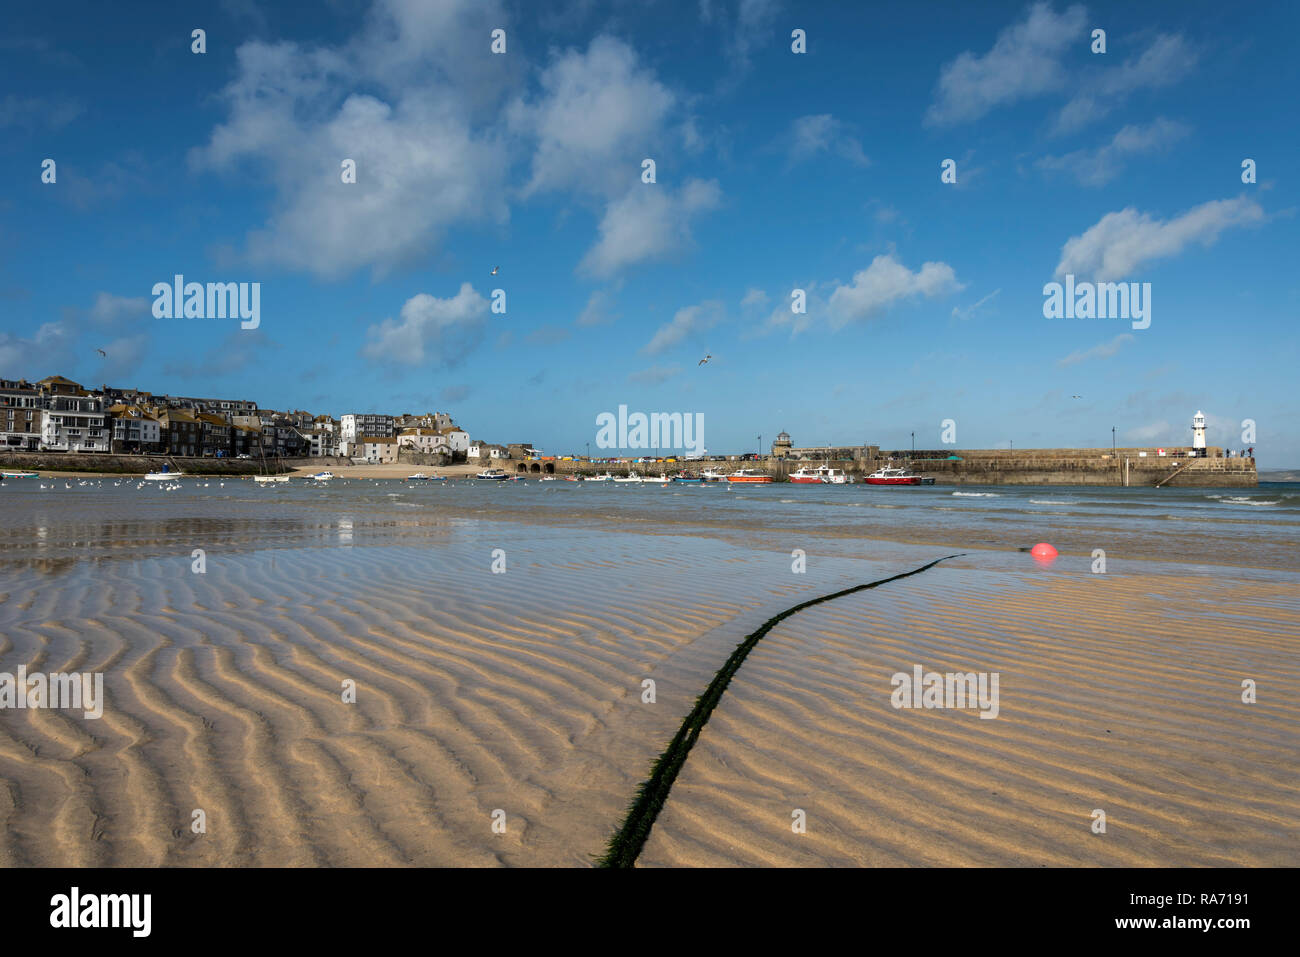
[(102, 353), (704, 360), (1076, 397), (495, 270)]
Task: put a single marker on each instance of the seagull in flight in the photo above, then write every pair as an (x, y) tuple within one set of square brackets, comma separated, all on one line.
[(102, 353), (1076, 397), (495, 269), (704, 360)]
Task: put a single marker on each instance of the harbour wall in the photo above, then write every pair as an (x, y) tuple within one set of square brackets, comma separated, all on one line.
[(1104, 467), (131, 464)]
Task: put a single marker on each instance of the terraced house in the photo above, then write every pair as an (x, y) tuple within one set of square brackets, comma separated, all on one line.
[(72, 420), (134, 429), (216, 435), (20, 415), (183, 432)]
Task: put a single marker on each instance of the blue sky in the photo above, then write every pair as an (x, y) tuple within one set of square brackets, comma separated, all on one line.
[(775, 171)]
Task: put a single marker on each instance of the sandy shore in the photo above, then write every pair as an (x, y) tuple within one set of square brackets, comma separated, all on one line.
[(482, 694), (1136, 712)]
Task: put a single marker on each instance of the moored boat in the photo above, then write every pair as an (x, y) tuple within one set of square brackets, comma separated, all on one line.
[(10, 475), (750, 476), (270, 478), (713, 475), (417, 477), (806, 476), (629, 477), (495, 475), (323, 476), (889, 476)]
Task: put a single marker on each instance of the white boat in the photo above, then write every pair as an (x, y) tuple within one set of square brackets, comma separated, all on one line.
[(714, 475), (417, 477), (270, 478), (629, 477), (661, 480), (162, 476), (606, 477), (323, 476), (829, 476), (496, 475)]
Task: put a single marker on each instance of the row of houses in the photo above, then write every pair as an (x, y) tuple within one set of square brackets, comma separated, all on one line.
[(57, 414)]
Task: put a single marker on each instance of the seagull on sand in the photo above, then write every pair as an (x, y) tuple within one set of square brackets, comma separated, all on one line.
[(704, 360)]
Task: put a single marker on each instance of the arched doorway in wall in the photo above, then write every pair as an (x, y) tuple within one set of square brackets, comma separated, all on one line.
[(535, 468), (549, 468)]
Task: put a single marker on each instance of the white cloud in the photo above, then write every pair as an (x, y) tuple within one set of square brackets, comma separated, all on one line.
[(600, 113), (1098, 167), (36, 112), (442, 330), (1103, 351), (1121, 242), (1166, 61), (822, 133), (971, 310), (885, 282), (109, 308), (1156, 431), (648, 222), (750, 28), (685, 323), (597, 310), (753, 297), (1025, 61), (423, 163)]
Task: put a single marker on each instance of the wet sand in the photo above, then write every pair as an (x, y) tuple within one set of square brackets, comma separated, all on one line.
[(521, 692)]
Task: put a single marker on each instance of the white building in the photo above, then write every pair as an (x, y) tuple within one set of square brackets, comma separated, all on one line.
[(355, 427), (423, 440), (72, 423), (457, 439)]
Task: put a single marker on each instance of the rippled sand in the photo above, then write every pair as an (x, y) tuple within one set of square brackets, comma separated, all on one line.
[(1116, 693), (476, 692), (522, 692)]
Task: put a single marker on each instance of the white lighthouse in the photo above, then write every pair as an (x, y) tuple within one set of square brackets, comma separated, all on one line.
[(1198, 433)]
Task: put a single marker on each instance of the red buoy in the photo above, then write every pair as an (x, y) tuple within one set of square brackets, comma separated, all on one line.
[(1043, 550)]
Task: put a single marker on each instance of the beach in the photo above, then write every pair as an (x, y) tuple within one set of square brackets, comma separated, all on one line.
[(380, 673)]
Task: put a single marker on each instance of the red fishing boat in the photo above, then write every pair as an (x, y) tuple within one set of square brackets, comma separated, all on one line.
[(896, 477)]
